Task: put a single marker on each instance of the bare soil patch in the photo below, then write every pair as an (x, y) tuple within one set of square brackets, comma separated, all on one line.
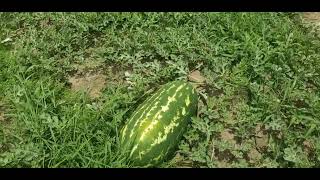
[(311, 16), (228, 136), (261, 138), (2, 110), (311, 20), (92, 83)]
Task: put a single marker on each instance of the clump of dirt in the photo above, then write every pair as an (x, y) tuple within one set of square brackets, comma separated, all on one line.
[(92, 83), (212, 91), (222, 164), (311, 20), (118, 74), (254, 155), (200, 82), (6, 124), (308, 147), (300, 103), (44, 23), (227, 135), (180, 162), (94, 77), (225, 157), (312, 17), (261, 138), (2, 110), (195, 76), (1, 116)]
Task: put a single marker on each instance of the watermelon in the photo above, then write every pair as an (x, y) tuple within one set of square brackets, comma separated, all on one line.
[(153, 132)]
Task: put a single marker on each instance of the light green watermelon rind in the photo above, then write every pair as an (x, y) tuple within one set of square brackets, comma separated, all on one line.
[(125, 139), (165, 146), (146, 105), (173, 139), (167, 143), (145, 154)]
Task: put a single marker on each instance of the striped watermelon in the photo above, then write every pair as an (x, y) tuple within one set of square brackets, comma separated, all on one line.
[(153, 132)]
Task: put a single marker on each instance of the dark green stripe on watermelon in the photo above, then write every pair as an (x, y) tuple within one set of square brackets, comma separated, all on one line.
[(156, 127)]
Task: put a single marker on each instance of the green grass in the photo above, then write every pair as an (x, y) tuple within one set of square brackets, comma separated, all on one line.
[(262, 70)]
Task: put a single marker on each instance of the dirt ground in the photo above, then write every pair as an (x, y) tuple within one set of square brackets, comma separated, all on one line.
[(1, 112), (312, 20), (312, 16), (92, 83)]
